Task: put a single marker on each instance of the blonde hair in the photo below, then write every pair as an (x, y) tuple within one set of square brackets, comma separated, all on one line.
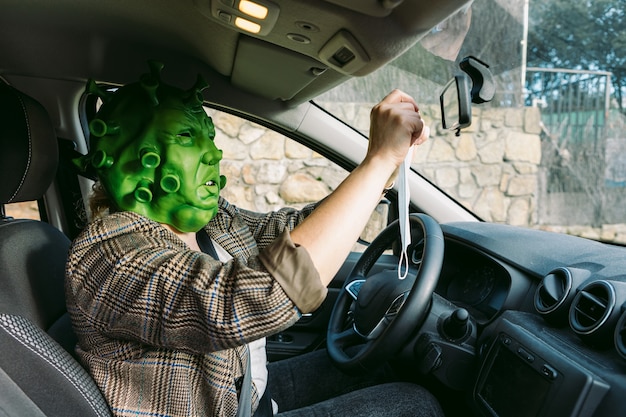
[(100, 204)]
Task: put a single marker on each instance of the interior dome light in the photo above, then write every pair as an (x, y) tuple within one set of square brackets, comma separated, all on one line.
[(247, 25), (253, 9), (249, 16)]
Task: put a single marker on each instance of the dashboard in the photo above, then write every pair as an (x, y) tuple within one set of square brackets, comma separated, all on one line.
[(480, 283), (550, 310)]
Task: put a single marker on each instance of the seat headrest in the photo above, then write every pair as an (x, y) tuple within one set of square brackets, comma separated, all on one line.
[(29, 152)]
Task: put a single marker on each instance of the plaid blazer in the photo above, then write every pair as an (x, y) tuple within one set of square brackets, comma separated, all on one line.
[(164, 329)]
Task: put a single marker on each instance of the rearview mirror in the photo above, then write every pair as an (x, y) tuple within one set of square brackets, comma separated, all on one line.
[(456, 110)]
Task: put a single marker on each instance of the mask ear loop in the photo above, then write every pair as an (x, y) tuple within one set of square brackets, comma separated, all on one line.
[(404, 197)]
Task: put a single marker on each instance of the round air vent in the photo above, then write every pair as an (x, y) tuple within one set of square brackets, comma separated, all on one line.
[(552, 296), (590, 311), (620, 336)]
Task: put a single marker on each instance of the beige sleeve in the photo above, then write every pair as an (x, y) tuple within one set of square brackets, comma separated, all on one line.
[(292, 267)]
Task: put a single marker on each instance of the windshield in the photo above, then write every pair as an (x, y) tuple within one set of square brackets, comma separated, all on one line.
[(549, 150)]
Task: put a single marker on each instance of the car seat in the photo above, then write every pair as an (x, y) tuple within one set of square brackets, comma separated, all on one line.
[(38, 375)]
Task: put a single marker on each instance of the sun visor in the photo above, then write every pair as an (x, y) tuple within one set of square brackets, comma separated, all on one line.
[(271, 71)]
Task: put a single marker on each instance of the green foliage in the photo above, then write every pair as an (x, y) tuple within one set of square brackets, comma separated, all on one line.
[(586, 35)]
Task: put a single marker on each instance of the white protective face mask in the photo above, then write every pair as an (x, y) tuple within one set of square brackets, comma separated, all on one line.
[(404, 197)]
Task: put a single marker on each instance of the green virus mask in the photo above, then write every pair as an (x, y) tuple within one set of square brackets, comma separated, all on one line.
[(152, 148)]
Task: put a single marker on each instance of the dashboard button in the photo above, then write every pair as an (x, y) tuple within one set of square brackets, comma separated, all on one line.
[(549, 371), (525, 354)]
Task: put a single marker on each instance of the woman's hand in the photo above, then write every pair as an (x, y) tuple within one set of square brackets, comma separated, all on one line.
[(396, 125)]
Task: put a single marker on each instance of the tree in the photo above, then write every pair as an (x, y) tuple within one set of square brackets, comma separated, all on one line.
[(578, 35), (585, 34)]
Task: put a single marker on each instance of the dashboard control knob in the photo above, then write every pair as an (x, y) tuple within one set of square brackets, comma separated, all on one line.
[(456, 326)]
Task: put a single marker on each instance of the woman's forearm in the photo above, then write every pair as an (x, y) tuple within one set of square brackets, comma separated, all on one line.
[(330, 231)]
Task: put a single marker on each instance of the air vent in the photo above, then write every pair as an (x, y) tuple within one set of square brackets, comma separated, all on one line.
[(551, 295), (591, 309), (620, 336)]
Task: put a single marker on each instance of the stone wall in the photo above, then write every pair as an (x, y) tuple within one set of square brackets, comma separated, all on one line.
[(266, 171), (491, 167)]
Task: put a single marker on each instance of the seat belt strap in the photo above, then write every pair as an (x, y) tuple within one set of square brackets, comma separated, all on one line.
[(205, 244), (245, 395)]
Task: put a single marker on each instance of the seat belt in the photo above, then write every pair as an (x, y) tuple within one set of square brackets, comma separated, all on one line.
[(245, 394), (205, 244)]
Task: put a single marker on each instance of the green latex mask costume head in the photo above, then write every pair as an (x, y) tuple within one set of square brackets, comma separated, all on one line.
[(151, 146)]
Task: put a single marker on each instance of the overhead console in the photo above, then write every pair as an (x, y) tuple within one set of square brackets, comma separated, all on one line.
[(307, 47)]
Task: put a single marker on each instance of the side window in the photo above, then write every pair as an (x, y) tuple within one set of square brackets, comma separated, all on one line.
[(266, 170), (25, 210)]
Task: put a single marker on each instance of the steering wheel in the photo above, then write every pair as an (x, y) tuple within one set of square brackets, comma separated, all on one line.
[(374, 316)]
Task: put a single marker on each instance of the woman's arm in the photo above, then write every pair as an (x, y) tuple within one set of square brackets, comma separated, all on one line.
[(329, 233)]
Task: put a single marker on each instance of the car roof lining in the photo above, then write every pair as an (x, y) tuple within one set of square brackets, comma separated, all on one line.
[(180, 33)]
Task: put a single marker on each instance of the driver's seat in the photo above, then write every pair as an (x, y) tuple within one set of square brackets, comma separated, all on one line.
[(38, 377)]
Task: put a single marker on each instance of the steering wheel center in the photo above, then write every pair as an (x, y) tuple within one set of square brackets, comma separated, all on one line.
[(378, 301)]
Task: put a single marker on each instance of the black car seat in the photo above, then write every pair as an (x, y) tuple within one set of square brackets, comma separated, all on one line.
[(38, 375)]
